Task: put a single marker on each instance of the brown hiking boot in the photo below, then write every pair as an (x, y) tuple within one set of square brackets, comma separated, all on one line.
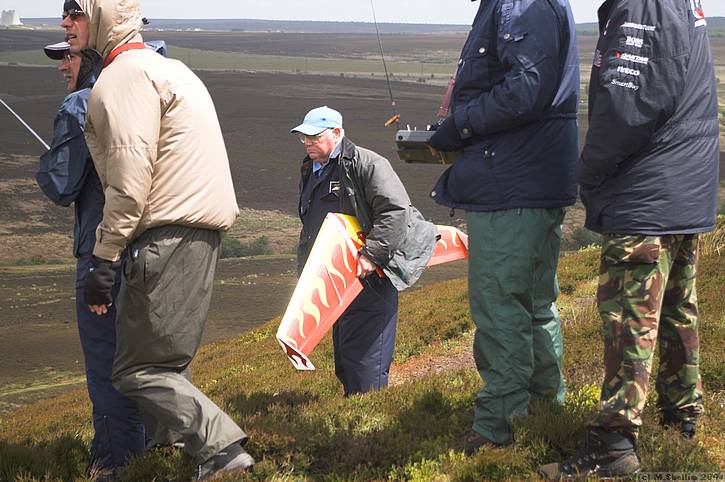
[(472, 441)]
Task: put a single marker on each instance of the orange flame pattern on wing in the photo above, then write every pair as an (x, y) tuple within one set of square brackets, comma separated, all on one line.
[(452, 245), (325, 289)]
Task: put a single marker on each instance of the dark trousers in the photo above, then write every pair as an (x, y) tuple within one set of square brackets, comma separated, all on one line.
[(119, 431), (364, 337)]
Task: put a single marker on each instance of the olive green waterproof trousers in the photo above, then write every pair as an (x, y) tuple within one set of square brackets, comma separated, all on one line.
[(162, 309), (513, 256)]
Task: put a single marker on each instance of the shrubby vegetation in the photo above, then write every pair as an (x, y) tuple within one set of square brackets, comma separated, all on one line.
[(581, 237), (233, 248)]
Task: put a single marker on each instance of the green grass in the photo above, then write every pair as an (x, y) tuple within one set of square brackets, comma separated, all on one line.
[(255, 222), (301, 428), (204, 59)]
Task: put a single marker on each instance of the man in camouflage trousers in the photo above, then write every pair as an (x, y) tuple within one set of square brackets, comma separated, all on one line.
[(648, 176)]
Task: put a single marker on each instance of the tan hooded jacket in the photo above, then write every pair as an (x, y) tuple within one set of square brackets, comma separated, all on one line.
[(154, 135)]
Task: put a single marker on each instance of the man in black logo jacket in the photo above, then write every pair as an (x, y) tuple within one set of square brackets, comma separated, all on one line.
[(648, 176)]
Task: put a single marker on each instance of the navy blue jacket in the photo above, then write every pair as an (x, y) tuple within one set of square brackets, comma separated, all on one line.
[(66, 173), (651, 159), (514, 103)]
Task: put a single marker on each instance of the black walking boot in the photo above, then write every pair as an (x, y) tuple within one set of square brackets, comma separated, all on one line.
[(669, 419), (602, 454)]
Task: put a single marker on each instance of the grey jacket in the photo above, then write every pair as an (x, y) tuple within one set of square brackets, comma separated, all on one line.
[(398, 238)]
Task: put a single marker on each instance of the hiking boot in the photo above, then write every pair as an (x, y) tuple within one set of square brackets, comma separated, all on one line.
[(472, 441), (232, 458), (104, 476), (685, 427), (603, 454)]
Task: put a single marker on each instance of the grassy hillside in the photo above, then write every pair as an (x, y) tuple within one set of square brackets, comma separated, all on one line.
[(302, 429)]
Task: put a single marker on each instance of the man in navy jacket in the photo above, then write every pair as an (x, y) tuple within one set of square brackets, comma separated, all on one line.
[(67, 176), (513, 117)]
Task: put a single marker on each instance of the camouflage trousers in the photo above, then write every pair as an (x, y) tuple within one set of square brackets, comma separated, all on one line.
[(646, 295)]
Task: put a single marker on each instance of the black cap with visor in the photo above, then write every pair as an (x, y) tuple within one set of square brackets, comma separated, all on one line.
[(57, 51)]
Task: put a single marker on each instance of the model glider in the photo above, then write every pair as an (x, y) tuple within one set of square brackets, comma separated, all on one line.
[(329, 283)]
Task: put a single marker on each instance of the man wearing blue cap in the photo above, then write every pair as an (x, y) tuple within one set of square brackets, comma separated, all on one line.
[(340, 177)]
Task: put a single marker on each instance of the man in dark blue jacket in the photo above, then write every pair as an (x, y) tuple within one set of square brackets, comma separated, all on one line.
[(67, 176), (513, 116), (648, 176)]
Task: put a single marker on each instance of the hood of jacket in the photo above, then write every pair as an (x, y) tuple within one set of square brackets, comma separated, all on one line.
[(112, 23), (91, 65)]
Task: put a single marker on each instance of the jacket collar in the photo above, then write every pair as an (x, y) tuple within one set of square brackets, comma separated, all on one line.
[(603, 14), (348, 149)]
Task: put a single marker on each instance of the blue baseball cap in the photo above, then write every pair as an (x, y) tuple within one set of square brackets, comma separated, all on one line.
[(319, 119)]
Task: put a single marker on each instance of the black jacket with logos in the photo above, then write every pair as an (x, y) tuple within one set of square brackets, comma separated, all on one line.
[(397, 237), (651, 159)]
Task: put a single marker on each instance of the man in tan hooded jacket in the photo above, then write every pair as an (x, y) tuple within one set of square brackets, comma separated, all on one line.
[(156, 141)]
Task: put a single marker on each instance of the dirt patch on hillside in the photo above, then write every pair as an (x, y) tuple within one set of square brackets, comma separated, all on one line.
[(442, 357), (30, 224)]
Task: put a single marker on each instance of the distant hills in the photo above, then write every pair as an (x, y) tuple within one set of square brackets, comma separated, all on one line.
[(252, 25), (716, 25)]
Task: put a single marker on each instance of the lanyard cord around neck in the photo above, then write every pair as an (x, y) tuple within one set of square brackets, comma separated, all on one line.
[(119, 50)]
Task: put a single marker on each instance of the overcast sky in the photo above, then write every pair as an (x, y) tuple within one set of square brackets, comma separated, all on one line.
[(425, 11)]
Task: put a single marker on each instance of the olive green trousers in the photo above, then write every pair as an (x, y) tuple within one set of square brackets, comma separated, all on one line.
[(162, 308)]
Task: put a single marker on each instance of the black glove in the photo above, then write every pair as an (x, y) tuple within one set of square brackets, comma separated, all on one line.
[(99, 282), (446, 137)]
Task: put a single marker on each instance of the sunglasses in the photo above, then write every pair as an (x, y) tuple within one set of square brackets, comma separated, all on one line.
[(74, 14)]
